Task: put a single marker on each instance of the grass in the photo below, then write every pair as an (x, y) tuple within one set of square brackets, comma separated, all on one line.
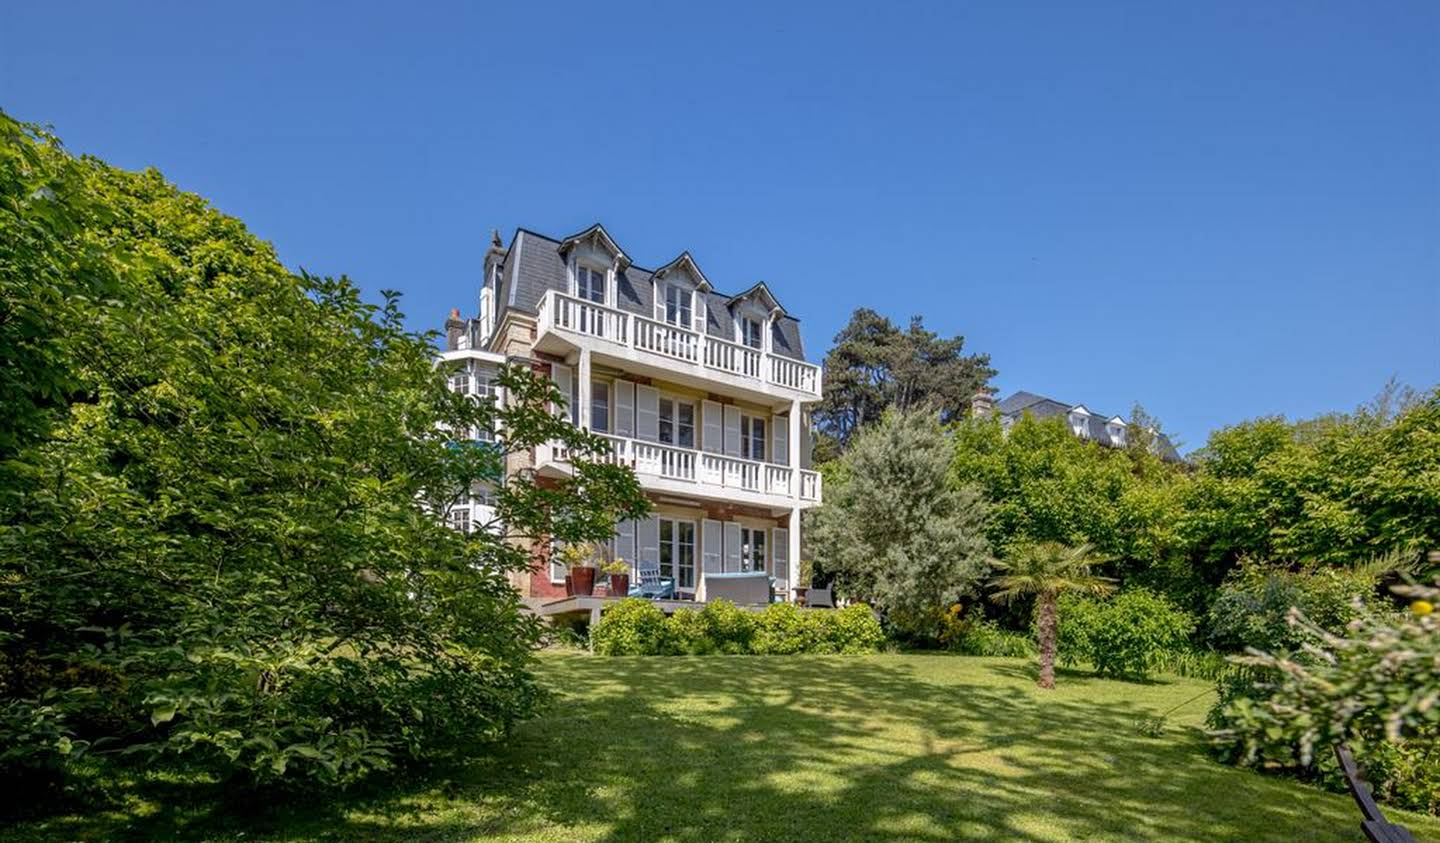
[(891, 747)]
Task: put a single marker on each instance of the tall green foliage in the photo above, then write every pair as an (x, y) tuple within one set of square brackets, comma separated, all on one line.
[(875, 365), (1337, 489), (894, 530), (222, 546)]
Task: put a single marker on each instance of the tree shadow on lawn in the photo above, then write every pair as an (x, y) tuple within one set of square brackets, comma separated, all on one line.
[(833, 748)]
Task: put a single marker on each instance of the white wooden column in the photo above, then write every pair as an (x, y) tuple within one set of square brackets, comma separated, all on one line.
[(583, 393), (795, 444), (793, 536), (793, 539)]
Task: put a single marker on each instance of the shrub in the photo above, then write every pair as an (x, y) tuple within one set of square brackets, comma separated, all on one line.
[(632, 627), (729, 628), (637, 627), (782, 630), (1373, 686), (1126, 636), (1252, 607), (686, 635), (853, 629), (972, 634)]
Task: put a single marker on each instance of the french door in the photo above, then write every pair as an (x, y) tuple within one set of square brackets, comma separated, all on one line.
[(752, 549), (677, 552)]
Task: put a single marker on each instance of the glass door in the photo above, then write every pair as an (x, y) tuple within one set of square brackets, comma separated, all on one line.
[(677, 552)]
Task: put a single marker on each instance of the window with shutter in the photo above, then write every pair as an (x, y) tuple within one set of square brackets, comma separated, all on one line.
[(600, 406), (624, 408)]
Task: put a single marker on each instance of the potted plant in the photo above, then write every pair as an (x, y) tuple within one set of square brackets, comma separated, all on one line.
[(579, 559), (619, 572)]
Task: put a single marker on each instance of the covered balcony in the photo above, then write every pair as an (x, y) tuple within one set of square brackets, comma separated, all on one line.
[(687, 471)]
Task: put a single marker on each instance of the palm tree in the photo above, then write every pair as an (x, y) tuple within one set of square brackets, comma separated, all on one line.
[(1045, 570)]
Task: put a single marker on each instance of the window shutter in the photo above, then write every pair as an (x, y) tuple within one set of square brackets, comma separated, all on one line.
[(625, 542), (565, 382), (647, 542), (647, 412), (712, 548), (624, 409), (780, 438), (732, 546), (732, 430), (780, 553), (710, 436)]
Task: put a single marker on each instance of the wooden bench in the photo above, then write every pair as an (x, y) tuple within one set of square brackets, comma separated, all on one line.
[(1375, 826)]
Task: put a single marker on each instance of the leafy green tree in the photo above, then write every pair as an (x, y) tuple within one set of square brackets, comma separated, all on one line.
[(222, 549), (1334, 490), (894, 531), (874, 366), (1045, 571), (47, 271)]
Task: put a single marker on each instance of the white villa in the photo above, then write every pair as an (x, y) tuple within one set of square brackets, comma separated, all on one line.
[(705, 395)]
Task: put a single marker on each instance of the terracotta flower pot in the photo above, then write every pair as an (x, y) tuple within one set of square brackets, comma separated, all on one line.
[(582, 579), (619, 585)]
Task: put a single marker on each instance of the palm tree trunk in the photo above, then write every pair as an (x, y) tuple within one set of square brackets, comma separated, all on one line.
[(1048, 627)]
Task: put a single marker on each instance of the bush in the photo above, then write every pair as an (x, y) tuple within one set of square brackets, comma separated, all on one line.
[(972, 634), (729, 628), (853, 629), (783, 630), (637, 627), (1127, 636), (632, 627), (1373, 687), (1252, 607)]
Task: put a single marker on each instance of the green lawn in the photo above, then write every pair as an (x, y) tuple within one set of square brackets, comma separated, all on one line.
[(892, 747)]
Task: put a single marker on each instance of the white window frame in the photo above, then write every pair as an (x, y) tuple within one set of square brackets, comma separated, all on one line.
[(748, 542), (684, 316), (590, 272), (674, 548), (674, 402), (597, 387), (742, 326), (749, 438)]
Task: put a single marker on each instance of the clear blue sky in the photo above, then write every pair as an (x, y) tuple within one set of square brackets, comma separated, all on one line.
[(1219, 209)]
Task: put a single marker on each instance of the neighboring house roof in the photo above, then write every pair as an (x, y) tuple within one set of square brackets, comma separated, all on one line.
[(1097, 424), (534, 264)]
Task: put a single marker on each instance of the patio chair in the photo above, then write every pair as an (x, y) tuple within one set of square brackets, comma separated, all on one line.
[(651, 585), (818, 598)]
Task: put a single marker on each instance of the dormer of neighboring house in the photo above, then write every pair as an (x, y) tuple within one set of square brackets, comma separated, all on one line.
[(1082, 422), (1115, 429)]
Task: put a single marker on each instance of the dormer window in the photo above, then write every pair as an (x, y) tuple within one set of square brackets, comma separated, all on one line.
[(1116, 428), (677, 305), (751, 332), (590, 284)]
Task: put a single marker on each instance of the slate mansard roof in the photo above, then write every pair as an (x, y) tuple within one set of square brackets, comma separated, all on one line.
[(1041, 407), (534, 265)]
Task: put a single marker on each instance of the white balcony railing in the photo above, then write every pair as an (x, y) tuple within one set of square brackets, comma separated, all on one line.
[(809, 485), (562, 312), (701, 467)]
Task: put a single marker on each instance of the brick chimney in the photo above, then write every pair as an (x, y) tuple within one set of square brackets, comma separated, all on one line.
[(454, 330), (982, 404)]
